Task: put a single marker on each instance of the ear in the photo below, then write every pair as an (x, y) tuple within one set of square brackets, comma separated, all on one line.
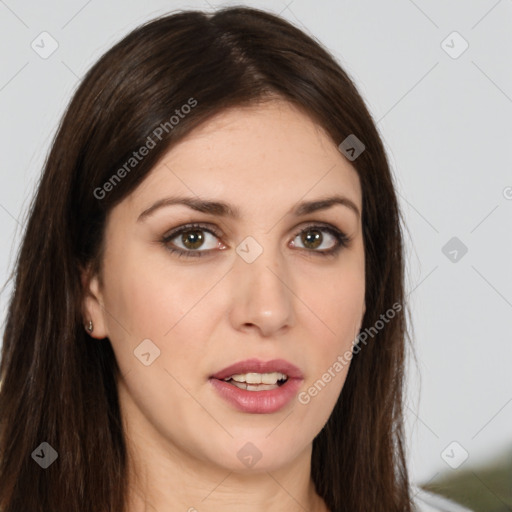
[(92, 304)]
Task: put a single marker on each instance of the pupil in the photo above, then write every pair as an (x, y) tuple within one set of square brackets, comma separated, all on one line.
[(193, 239)]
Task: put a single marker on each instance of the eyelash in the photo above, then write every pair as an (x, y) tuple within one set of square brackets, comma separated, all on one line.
[(342, 240)]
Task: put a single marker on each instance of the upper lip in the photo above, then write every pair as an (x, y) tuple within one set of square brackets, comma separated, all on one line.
[(258, 366)]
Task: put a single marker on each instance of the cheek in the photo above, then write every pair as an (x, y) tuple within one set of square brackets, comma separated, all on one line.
[(173, 307), (337, 301), (149, 295), (335, 319)]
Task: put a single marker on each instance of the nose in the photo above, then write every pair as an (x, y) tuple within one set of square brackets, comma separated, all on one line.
[(262, 295)]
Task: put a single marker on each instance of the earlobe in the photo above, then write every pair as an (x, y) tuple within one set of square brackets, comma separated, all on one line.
[(93, 308)]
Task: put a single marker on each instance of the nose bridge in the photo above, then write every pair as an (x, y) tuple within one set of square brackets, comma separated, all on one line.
[(262, 294)]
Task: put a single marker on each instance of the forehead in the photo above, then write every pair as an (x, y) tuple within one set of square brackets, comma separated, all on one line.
[(257, 155)]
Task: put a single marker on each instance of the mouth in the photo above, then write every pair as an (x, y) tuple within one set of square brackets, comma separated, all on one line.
[(256, 386), (255, 366)]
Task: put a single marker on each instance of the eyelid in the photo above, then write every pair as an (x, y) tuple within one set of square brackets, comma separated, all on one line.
[(319, 224), (193, 225)]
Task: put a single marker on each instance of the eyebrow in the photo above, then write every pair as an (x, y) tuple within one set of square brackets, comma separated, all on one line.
[(225, 210)]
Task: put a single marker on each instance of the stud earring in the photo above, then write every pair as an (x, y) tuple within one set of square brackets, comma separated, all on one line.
[(90, 327)]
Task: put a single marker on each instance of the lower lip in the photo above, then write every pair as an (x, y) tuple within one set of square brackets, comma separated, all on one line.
[(258, 402)]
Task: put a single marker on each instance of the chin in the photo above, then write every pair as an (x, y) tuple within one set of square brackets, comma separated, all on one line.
[(259, 452)]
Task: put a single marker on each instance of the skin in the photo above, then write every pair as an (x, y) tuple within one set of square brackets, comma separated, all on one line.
[(205, 313)]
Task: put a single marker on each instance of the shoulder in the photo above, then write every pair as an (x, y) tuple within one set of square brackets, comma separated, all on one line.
[(428, 502)]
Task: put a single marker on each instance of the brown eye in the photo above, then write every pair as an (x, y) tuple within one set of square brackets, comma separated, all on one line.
[(192, 239), (312, 238)]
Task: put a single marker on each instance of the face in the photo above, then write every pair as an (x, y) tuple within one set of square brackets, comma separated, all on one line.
[(260, 277)]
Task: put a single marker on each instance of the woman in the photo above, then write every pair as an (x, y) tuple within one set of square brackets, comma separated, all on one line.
[(218, 212)]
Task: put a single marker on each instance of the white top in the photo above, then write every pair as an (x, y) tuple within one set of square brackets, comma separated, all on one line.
[(429, 502)]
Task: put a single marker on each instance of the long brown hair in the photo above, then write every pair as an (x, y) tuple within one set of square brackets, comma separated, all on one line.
[(59, 386)]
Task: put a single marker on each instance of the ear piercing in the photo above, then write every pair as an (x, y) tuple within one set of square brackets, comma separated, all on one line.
[(89, 326)]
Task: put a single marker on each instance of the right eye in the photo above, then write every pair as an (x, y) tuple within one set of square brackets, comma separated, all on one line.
[(191, 237)]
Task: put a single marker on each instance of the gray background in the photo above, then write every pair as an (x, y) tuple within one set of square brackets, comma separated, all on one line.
[(445, 122)]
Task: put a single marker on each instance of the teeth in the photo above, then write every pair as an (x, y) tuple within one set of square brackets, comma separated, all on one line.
[(254, 387), (261, 387), (258, 378)]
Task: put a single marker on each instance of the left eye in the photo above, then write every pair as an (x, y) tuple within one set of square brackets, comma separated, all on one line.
[(314, 238)]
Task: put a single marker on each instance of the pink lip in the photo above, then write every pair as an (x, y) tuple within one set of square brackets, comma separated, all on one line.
[(258, 402)]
